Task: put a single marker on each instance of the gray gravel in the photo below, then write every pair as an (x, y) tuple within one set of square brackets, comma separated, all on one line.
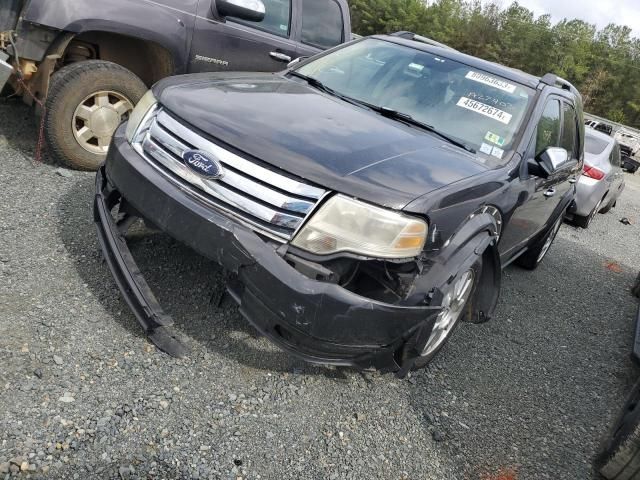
[(84, 395)]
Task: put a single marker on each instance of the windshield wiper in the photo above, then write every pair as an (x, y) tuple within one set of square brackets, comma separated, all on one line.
[(384, 111), (315, 83), (406, 118)]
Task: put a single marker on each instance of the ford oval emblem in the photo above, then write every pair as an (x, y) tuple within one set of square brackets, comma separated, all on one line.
[(203, 163)]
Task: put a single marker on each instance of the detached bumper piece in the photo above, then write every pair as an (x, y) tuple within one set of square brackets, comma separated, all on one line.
[(127, 275), (317, 321)]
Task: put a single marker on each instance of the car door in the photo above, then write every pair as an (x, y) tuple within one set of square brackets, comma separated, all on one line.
[(239, 45), (539, 196), (321, 26)]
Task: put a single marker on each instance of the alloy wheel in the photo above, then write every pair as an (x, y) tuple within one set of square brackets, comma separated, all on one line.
[(453, 305), (550, 238), (96, 119)]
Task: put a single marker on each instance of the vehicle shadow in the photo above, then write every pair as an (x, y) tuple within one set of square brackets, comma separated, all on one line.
[(189, 287), (20, 130), (531, 393)]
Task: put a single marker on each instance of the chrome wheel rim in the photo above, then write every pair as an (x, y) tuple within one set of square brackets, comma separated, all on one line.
[(453, 305), (96, 119), (549, 241)]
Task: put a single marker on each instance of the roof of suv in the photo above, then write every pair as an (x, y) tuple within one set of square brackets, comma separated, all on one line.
[(512, 74)]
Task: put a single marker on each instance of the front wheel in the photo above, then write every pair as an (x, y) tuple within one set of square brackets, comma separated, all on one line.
[(457, 301), (86, 103), (534, 256)]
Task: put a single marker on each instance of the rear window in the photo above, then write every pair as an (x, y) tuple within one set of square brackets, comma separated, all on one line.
[(593, 145), (322, 23)]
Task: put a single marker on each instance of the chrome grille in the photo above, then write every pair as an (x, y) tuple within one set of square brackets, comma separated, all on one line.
[(269, 201)]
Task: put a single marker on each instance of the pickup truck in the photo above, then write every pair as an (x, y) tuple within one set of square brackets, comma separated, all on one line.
[(85, 64)]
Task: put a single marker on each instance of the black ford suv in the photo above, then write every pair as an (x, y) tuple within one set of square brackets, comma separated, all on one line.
[(364, 201)]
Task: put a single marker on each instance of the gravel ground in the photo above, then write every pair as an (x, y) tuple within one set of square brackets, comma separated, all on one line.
[(84, 395)]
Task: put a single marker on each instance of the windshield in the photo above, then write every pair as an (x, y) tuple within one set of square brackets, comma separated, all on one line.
[(480, 110)]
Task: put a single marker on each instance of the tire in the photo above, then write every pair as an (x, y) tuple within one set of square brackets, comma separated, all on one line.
[(635, 290), (608, 208), (619, 457), (534, 256), (466, 311), (75, 134), (584, 222)]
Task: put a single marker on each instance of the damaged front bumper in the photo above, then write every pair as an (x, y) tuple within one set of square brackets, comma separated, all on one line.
[(318, 321)]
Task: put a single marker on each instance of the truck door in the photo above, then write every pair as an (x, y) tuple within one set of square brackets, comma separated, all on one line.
[(322, 26), (239, 45)]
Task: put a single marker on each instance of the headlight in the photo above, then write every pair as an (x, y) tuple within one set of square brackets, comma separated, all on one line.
[(138, 114), (343, 224)]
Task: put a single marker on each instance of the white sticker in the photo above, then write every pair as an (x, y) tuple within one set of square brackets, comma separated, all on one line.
[(484, 109), (486, 148), (491, 81), (497, 152)]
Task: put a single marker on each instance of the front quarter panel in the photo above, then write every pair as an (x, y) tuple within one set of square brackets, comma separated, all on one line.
[(168, 23)]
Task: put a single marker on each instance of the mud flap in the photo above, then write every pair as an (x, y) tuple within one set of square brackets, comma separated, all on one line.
[(137, 293)]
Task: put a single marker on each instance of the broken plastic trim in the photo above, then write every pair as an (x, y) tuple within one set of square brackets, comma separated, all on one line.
[(137, 293)]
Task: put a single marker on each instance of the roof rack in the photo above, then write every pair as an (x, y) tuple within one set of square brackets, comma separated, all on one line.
[(419, 38), (555, 81)]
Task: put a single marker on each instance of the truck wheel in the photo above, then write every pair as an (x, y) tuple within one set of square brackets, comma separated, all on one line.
[(534, 256), (620, 452), (457, 302), (86, 103)]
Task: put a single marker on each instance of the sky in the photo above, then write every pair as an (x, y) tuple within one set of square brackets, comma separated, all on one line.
[(600, 12)]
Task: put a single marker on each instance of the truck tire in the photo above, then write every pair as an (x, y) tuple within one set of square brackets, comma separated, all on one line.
[(536, 253), (619, 457), (86, 103)]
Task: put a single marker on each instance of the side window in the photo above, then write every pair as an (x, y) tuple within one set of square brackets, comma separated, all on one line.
[(569, 139), (277, 18), (548, 131), (614, 158), (322, 23)]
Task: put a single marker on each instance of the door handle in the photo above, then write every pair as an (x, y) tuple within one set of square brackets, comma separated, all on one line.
[(281, 57), (573, 180), (550, 193)]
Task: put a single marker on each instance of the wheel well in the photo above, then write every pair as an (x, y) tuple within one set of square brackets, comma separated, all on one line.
[(148, 60)]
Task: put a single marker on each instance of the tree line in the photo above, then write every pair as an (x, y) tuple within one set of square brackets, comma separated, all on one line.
[(603, 64)]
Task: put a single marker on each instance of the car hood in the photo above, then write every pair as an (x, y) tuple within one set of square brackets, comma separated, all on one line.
[(334, 144)]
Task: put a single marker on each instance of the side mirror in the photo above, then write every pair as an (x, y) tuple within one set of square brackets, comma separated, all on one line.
[(551, 160), (251, 10), (295, 61)]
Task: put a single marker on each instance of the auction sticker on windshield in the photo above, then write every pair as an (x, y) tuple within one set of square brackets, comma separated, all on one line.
[(491, 81), (484, 109)]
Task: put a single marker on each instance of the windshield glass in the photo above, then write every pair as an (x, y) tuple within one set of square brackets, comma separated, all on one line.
[(481, 110)]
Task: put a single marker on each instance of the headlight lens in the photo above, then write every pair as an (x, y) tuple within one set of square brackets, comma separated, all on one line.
[(343, 224), (138, 114)]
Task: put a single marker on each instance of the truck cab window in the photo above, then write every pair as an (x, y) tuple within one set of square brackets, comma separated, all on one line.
[(322, 23), (277, 19)]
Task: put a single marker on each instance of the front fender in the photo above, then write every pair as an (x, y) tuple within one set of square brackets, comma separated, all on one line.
[(476, 239), (165, 25)]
